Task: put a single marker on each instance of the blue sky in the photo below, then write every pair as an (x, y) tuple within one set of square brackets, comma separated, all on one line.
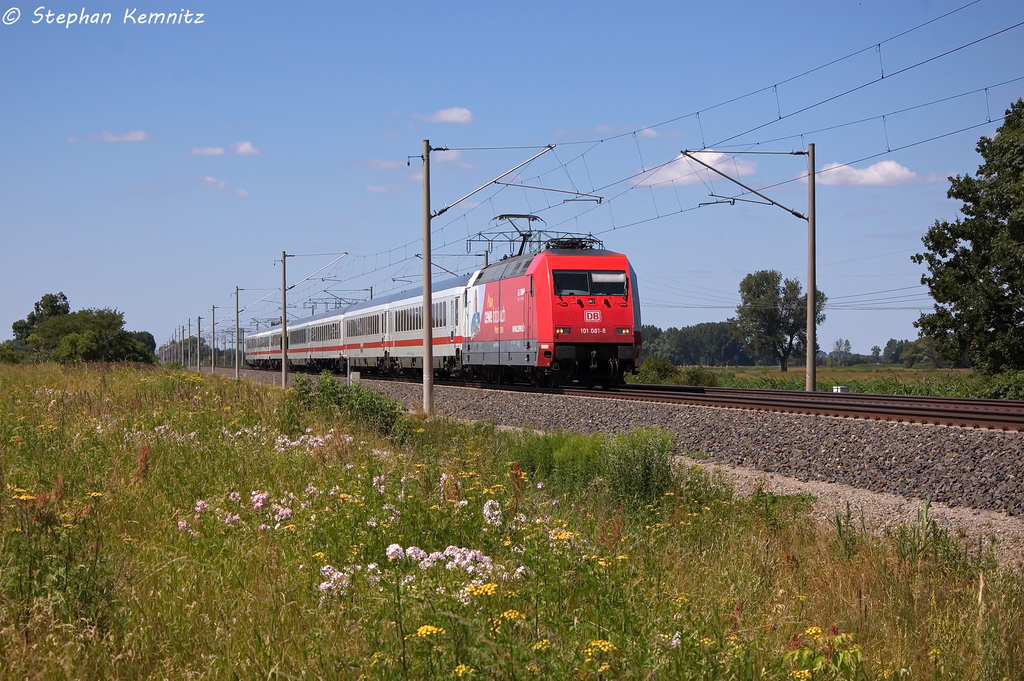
[(153, 168)]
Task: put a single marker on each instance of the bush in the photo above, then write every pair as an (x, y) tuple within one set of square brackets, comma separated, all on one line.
[(360, 404), (638, 465), (564, 459), (698, 376), (657, 370)]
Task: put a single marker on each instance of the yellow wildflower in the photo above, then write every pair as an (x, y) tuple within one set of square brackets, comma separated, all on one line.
[(463, 669), (513, 615), (482, 589), (600, 644), (429, 630), (541, 645)]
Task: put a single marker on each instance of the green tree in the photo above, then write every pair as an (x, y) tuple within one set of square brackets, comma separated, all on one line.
[(50, 305), (842, 353), (893, 351), (146, 338), (9, 354), (650, 333), (88, 336), (976, 263), (876, 354), (771, 319), (706, 344), (922, 354)]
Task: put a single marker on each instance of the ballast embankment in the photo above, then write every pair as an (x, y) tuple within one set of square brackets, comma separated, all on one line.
[(977, 468)]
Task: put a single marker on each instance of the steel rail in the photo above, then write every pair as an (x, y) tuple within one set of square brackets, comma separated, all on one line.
[(974, 403), (901, 409)]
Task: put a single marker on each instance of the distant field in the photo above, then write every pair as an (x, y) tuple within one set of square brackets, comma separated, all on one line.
[(864, 378), (164, 524), (841, 375)]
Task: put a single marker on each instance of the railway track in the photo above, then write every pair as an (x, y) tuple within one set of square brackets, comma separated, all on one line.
[(1005, 415), (965, 412)]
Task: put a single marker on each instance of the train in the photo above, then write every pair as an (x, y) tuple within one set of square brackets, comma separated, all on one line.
[(565, 314)]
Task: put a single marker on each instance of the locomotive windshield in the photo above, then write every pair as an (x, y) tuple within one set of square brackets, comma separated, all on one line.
[(584, 283)]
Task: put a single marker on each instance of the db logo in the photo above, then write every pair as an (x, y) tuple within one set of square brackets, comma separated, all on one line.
[(592, 316)]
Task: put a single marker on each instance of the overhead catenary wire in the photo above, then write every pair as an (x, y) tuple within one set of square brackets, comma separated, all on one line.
[(396, 256)]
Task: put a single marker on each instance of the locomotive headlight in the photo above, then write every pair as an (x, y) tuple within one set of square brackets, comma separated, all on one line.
[(559, 330), (623, 330)]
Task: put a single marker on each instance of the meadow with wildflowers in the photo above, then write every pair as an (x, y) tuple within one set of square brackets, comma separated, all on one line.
[(160, 523)]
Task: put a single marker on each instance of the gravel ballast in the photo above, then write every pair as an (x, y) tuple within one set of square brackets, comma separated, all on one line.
[(883, 470)]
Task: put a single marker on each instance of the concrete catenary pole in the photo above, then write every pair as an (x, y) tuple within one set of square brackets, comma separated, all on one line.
[(236, 333), (213, 337), (189, 365), (284, 321), (199, 344), (812, 286), (428, 317)]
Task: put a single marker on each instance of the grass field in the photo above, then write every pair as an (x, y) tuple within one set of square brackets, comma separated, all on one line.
[(862, 378), (162, 524)]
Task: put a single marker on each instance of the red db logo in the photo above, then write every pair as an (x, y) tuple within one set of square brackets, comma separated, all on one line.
[(592, 315)]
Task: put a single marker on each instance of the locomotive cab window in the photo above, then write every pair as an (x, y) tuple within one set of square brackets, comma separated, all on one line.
[(584, 283), (571, 283), (608, 283)]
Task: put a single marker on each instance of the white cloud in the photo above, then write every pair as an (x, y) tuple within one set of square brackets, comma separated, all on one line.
[(456, 114), (376, 189), (447, 156), (133, 136), (648, 132), (384, 164), (883, 173), (452, 160), (222, 185), (682, 170), (207, 151), (604, 127), (246, 149)]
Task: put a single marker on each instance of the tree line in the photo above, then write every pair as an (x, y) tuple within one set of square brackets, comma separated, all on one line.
[(52, 332)]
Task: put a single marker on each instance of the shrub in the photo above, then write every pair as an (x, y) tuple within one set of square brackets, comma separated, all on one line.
[(638, 465), (698, 376), (372, 408), (360, 404), (561, 458), (656, 369)]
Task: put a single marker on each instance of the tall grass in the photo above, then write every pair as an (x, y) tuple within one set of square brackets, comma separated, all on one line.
[(158, 523)]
